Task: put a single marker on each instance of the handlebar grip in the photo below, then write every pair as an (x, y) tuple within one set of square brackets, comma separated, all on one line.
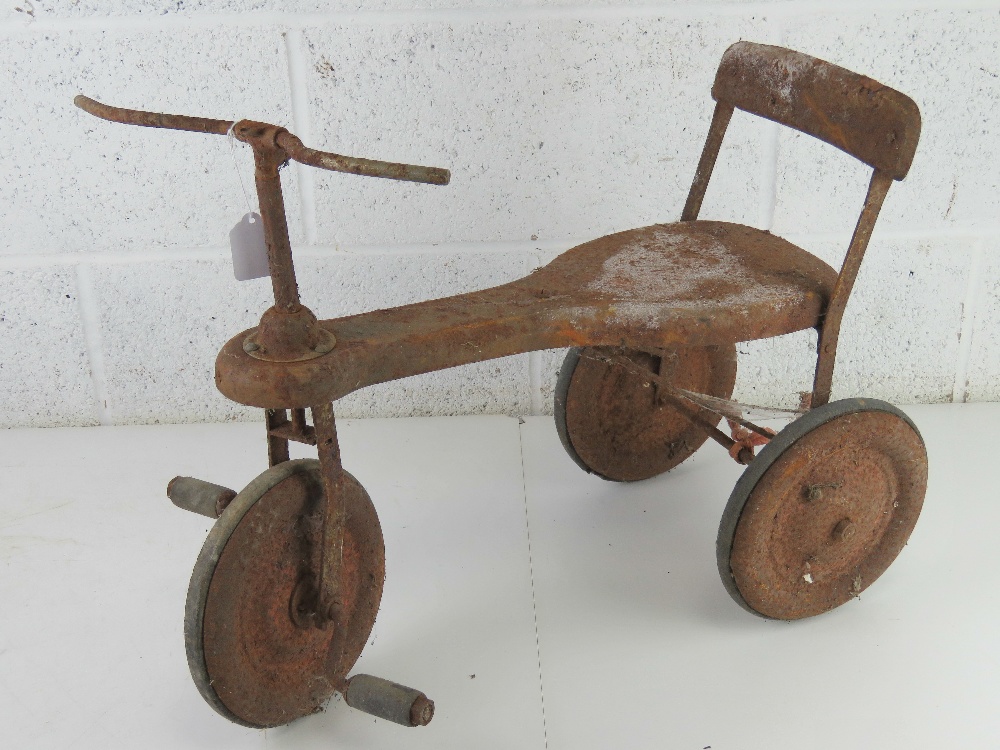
[(366, 167), (152, 119)]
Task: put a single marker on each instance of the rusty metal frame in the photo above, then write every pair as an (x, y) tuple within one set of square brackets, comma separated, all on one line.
[(332, 550), (706, 164), (275, 423), (829, 330), (293, 361)]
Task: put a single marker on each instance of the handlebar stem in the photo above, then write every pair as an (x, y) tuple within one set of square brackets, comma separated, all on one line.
[(288, 331), (268, 158)]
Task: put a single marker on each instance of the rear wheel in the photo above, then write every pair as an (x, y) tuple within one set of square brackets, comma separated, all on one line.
[(611, 419), (823, 510)]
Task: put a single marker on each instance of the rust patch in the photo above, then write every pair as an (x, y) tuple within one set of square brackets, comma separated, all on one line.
[(265, 661), (702, 283), (614, 420), (746, 437), (870, 121), (829, 515)]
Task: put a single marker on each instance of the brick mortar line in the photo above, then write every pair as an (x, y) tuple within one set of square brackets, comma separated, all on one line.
[(219, 252), (769, 175), (537, 403), (974, 296), (770, 149), (280, 19), (90, 321), (302, 122)]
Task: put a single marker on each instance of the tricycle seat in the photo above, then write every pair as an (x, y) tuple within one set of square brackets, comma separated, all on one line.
[(698, 282), (688, 283)]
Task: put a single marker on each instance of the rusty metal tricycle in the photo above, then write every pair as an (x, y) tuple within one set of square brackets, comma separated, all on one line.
[(287, 586)]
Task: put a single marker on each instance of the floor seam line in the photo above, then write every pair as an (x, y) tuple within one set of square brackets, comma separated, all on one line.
[(531, 576)]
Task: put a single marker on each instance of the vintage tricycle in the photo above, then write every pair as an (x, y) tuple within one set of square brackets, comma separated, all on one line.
[(285, 591)]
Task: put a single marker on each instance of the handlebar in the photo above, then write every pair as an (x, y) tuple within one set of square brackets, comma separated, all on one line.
[(289, 143)]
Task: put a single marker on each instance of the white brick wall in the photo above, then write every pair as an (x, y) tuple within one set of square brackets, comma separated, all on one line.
[(561, 120)]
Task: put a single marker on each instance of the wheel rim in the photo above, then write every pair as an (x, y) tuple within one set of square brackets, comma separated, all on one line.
[(824, 510), (248, 657), (611, 419)]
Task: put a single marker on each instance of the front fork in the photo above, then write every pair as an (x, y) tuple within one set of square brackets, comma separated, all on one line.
[(322, 607), (326, 603)]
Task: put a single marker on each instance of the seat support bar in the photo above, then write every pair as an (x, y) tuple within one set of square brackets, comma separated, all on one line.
[(829, 328)]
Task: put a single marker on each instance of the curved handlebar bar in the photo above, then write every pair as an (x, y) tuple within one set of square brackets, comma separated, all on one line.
[(289, 143)]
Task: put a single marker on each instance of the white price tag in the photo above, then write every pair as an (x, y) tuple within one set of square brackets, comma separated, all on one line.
[(249, 249)]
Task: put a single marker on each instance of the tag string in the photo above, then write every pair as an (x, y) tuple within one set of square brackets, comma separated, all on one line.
[(239, 172)]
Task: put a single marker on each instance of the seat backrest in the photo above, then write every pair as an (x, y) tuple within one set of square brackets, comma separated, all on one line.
[(873, 123)]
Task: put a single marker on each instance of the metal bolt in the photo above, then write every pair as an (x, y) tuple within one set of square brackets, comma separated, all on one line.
[(815, 491), (844, 530), (300, 606), (250, 346), (422, 711), (335, 613), (223, 502)]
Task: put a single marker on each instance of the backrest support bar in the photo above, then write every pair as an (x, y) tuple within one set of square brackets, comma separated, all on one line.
[(720, 121), (873, 123)]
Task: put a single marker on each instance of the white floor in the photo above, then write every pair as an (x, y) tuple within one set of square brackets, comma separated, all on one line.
[(538, 606)]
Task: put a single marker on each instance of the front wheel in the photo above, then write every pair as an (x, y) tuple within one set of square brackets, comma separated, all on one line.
[(251, 655)]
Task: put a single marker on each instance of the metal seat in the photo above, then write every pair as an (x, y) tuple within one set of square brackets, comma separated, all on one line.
[(699, 282)]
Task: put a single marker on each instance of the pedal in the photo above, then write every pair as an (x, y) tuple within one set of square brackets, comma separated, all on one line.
[(389, 700), (199, 496)]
